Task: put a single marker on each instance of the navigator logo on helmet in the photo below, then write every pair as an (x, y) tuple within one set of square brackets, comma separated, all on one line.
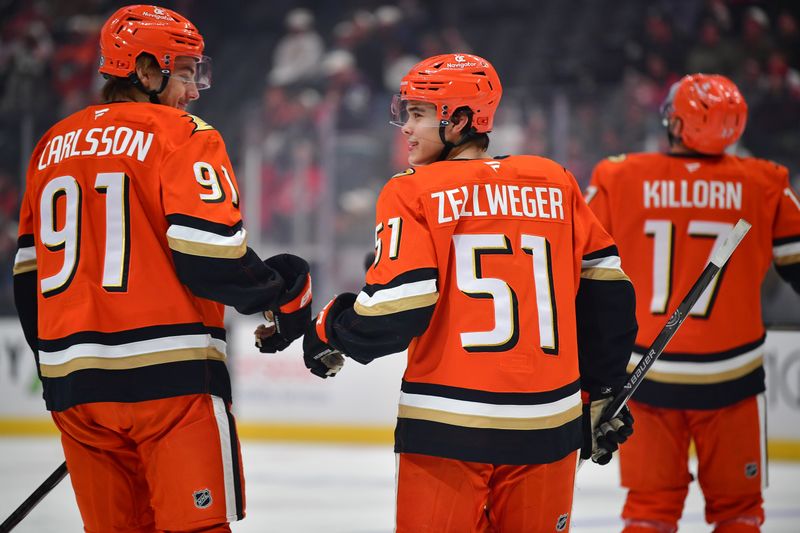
[(706, 112), (453, 83), (164, 34)]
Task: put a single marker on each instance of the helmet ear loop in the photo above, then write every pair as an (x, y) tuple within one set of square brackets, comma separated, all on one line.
[(448, 146), (152, 94)]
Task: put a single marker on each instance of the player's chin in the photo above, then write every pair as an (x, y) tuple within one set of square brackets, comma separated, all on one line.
[(415, 158)]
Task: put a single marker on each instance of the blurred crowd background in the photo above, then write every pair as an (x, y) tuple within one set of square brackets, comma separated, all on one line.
[(301, 92)]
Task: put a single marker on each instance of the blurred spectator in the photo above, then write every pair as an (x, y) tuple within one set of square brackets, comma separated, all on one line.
[(396, 64), (298, 53), (788, 37), (756, 40), (346, 91), (773, 118), (287, 149), (9, 198), (28, 58), (74, 63), (659, 41), (713, 52)]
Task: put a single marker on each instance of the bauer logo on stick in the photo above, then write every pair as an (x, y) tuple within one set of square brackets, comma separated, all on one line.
[(675, 318)]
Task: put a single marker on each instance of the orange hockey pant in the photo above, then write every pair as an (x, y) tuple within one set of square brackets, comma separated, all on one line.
[(437, 495), (171, 464), (730, 452)]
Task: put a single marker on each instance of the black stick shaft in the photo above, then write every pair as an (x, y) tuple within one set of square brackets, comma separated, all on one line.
[(661, 341), (716, 263), (34, 499)]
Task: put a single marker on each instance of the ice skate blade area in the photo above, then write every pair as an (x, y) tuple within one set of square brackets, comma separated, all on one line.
[(304, 488)]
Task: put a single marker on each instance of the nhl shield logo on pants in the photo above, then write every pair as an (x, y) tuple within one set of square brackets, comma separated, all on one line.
[(202, 499), (561, 524)]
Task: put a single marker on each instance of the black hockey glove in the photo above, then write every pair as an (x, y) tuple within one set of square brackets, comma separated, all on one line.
[(294, 310), (602, 436), (320, 357)]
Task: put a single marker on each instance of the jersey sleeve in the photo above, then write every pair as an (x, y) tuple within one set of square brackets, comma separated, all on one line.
[(786, 233), (205, 230), (605, 306), (397, 302), (596, 194), (25, 275)]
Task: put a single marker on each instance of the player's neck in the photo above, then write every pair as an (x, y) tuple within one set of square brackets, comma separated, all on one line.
[(677, 148), (467, 151)]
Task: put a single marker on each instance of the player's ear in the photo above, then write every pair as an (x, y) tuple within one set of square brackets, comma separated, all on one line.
[(459, 121), (148, 72), (675, 127)]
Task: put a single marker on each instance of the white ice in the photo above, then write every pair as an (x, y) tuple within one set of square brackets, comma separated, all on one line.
[(299, 488)]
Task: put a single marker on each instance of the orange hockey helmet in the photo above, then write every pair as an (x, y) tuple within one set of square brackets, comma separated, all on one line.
[(160, 32), (451, 81), (711, 110)]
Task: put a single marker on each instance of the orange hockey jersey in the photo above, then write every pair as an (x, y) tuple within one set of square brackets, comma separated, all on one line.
[(667, 214), (130, 241), (481, 267)]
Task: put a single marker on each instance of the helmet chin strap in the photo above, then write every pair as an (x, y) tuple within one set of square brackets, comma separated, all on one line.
[(152, 94), (465, 137)]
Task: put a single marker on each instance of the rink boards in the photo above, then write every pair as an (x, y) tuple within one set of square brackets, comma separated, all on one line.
[(276, 398)]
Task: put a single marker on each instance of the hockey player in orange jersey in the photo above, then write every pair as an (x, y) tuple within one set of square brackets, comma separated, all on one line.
[(130, 242), (512, 303), (667, 213)]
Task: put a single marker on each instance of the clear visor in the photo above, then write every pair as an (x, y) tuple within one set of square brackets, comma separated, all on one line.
[(422, 114), (194, 70), (666, 106)]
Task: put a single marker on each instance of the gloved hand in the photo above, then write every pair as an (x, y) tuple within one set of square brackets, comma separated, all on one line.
[(320, 357), (294, 310), (603, 437)]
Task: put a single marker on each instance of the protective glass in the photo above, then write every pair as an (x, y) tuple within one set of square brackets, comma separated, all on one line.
[(201, 68), (423, 114), (666, 105)]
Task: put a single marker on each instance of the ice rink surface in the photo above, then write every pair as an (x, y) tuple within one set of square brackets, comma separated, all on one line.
[(303, 488)]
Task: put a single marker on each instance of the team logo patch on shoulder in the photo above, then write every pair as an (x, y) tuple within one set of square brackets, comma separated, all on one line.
[(199, 123), (406, 172), (617, 158), (202, 498)]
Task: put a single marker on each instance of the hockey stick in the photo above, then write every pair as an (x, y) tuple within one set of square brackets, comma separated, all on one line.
[(715, 264), (34, 499)]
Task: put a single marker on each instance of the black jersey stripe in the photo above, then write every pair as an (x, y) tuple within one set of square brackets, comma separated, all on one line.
[(709, 357), (26, 241), (785, 240), (608, 251), (493, 446), (204, 225), (131, 335), (419, 274), (245, 283), (494, 398), (705, 396), (138, 384)]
